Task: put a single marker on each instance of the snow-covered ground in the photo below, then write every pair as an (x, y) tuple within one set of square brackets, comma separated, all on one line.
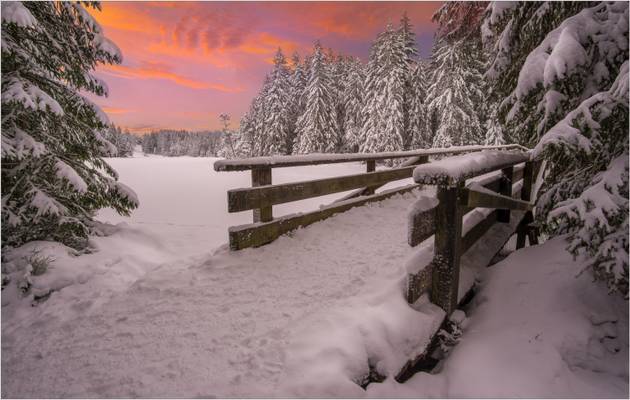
[(161, 308), (535, 330)]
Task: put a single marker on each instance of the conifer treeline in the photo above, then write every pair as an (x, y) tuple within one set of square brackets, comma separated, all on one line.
[(396, 101)]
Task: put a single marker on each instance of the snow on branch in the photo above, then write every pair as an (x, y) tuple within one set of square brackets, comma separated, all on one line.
[(566, 133), (563, 50), (14, 12), (68, 173), (29, 96)]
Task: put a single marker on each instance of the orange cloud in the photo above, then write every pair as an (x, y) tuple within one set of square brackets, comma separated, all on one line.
[(154, 70), (116, 110), (124, 16)]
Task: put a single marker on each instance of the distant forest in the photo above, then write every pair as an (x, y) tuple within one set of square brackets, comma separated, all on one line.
[(164, 142)]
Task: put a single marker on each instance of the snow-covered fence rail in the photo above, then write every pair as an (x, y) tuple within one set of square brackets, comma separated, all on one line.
[(447, 227), (443, 219), (263, 195)]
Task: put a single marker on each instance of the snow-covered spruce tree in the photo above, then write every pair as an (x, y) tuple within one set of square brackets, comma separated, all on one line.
[(511, 32), (277, 130), (353, 104), (297, 84), (419, 130), (412, 95), (53, 179), (244, 142), (339, 71), (586, 191), (228, 146), (494, 130), (456, 95), (317, 127), (572, 92), (123, 141), (258, 114), (383, 111)]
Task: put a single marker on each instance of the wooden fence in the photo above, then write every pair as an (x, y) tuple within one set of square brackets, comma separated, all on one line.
[(263, 195), (441, 276)]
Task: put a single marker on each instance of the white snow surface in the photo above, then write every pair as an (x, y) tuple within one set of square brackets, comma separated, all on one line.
[(535, 330), (15, 12), (467, 165), (161, 308)]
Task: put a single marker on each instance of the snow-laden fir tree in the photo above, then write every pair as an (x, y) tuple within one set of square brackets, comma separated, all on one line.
[(412, 100), (339, 71), (228, 145), (123, 141), (456, 95), (317, 127), (512, 31), (259, 114), (494, 130), (277, 130), (383, 111), (53, 179), (568, 86), (245, 140), (353, 104), (297, 84), (419, 129)]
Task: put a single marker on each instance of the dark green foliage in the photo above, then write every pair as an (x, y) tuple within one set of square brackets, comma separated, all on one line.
[(53, 179)]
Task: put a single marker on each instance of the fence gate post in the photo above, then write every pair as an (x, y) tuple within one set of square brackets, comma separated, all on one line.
[(448, 236), (505, 188), (261, 177)]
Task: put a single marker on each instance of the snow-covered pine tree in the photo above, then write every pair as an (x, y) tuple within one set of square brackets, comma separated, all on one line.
[(411, 95), (317, 127), (228, 147), (494, 130), (297, 84), (383, 112), (563, 69), (454, 95), (419, 129), (277, 131), (353, 104), (339, 71), (259, 117), (53, 179), (511, 32), (244, 142)]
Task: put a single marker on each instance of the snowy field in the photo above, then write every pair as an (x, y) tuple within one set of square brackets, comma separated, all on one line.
[(161, 308)]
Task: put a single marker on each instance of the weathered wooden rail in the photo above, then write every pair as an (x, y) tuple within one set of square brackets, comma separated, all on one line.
[(460, 191), (263, 195), (487, 190)]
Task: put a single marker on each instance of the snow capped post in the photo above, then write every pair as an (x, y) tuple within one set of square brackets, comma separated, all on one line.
[(452, 239)]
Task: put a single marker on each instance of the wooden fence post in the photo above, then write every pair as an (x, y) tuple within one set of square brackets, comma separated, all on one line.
[(261, 177), (526, 194), (371, 167), (448, 236), (505, 188)]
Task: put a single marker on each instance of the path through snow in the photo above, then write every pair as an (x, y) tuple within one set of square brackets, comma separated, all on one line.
[(227, 324)]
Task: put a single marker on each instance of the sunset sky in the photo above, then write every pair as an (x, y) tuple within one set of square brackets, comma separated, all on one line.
[(184, 63)]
